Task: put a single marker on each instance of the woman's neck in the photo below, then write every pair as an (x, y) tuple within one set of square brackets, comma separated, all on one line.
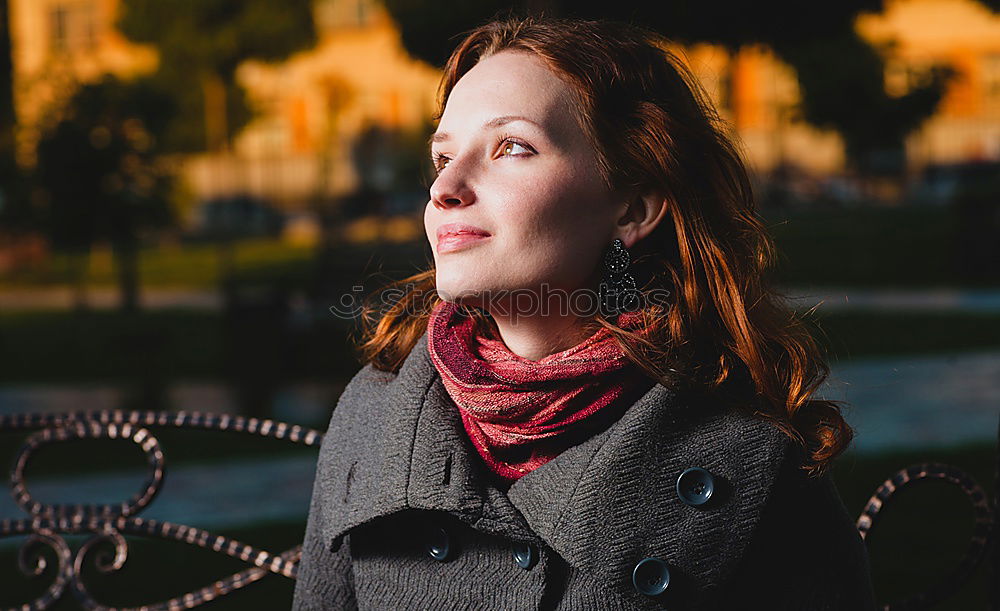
[(535, 337)]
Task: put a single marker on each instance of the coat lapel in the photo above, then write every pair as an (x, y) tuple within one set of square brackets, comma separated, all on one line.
[(395, 442), (612, 501)]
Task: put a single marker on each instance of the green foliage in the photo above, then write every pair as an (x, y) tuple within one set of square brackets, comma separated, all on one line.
[(200, 40), (842, 87), (15, 213), (7, 116), (216, 35), (97, 175), (190, 266), (430, 30), (186, 133), (731, 23)]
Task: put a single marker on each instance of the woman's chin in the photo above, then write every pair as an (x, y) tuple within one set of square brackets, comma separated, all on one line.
[(457, 282), (462, 294)]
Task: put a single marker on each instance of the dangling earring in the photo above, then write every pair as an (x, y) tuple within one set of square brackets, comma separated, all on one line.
[(618, 291)]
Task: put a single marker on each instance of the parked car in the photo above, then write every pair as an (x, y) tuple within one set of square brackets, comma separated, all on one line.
[(237, 216), (942, 184)]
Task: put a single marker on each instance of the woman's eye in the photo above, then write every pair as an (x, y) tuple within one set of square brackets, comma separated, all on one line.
[(440, 161), (511, 148), (508, 148)]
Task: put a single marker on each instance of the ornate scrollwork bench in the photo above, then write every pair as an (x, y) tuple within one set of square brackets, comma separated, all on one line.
[(47, 524), (983, 541)]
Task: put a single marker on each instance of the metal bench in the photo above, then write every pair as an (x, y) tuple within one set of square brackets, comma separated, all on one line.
[(46, 524)]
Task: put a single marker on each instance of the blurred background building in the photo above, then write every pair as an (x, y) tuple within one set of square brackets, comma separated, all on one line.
[(325, 118), (313, 108), (55, 47)]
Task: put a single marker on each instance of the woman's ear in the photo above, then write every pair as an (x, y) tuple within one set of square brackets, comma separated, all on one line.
[(645, 211)]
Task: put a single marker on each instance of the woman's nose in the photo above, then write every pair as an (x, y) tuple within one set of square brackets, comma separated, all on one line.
[(450, 190)]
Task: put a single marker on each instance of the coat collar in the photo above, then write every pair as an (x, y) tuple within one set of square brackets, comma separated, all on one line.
[(395, 442)]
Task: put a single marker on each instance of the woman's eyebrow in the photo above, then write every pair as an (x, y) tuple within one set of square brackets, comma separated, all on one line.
[(491, 124)]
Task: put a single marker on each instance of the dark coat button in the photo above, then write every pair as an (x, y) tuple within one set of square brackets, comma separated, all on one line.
[(525, 554), (438, 544), (695, 486), (651, 576)]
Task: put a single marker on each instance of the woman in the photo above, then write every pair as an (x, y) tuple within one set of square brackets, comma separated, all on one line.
[(592, 400)]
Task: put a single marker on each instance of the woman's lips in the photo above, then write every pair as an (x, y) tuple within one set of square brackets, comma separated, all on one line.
[(456, 236), (451, 242)]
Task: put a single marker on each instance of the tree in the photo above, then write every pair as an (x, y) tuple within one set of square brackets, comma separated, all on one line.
[(841, 76), (99, 179), (841, 80), (14, 211), (201, 43), (7, 117)]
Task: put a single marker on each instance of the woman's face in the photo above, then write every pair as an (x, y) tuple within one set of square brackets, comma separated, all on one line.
[(513, 163)]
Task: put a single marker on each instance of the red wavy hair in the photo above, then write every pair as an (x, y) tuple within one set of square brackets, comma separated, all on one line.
[(727, 331)]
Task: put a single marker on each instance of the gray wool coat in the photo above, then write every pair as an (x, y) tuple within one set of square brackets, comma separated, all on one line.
[(404, 515)]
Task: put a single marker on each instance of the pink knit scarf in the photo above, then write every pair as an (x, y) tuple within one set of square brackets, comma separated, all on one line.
[(520, 414)]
